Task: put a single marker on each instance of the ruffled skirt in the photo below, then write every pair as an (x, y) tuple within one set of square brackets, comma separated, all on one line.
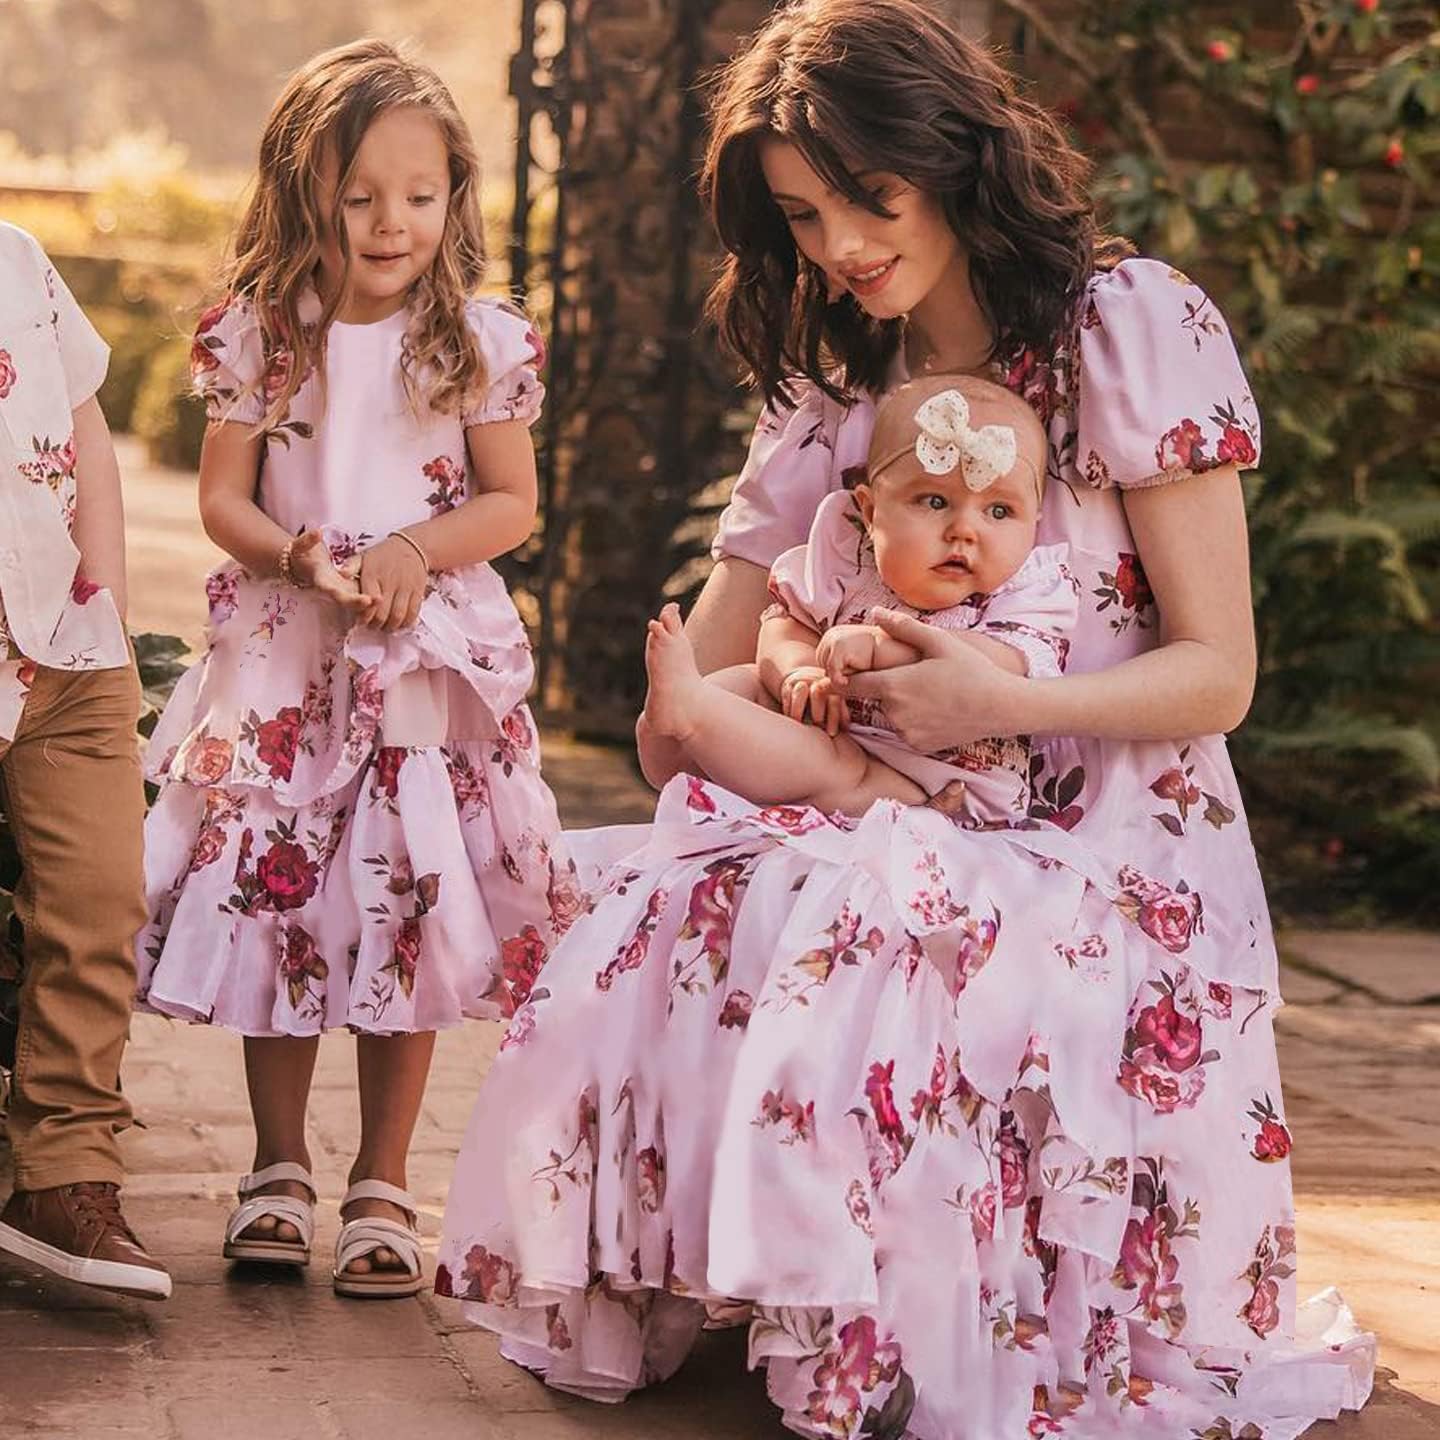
[(352, 828), (984, 1157)]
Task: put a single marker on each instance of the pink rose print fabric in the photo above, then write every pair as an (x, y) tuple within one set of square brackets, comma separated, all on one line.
[(352, 828), (984, 1124), (51, 363)]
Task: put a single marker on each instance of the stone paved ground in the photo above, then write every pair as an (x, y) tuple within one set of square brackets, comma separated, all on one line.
[(236, 1355)]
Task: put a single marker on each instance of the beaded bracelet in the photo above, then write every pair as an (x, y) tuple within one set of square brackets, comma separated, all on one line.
[(415, 545), (282, 562)]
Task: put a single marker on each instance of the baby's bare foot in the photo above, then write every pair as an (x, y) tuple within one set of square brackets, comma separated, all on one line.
[(675, 680)]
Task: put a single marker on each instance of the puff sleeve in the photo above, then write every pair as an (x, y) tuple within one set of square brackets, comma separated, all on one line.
[(1162, 392), (227, 362), (789, 470), (809, 582), (514, 354)]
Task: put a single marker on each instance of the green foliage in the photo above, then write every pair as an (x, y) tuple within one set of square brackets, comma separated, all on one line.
[(168, 417), (1321, 242)]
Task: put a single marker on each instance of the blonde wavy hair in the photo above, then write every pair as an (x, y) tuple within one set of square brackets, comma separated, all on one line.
[(330, 103)]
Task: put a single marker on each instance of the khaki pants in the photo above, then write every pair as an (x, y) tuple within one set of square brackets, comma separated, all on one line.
[(73, 795)]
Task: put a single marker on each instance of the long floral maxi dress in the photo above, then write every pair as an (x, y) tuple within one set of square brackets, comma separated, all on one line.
[(987, 1126), (352, 828)]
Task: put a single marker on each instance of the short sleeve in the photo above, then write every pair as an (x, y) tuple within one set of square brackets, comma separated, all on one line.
[(514, 354), (810, 581), (1162, 392), (84, 356), (786, 475), (227, 362), (1035, 612)]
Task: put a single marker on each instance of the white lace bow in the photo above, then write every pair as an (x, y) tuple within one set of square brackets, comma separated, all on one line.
[(947, 440)]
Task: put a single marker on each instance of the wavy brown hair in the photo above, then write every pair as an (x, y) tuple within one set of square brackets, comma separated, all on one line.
[(328, 105), (863, 85)]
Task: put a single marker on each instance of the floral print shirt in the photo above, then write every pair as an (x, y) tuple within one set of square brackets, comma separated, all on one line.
[(51, 363)]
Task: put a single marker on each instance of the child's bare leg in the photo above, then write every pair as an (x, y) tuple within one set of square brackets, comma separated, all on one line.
[(749, 748), (662, 757), (278, 1071), (393, 1070)]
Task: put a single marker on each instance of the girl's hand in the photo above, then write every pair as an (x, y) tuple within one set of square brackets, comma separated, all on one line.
[(846, 650), (806, 695), (950, 696), (312, 567), (393, 579)]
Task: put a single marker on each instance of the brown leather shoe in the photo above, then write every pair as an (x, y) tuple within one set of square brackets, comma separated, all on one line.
[(78, 1231)]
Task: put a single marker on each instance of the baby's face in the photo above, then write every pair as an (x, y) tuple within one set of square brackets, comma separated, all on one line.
[(937, 542)]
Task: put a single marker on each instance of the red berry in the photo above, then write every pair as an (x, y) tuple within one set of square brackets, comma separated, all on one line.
[(1307, 84), (1367, 7), (1220, 51), (1394, 154)]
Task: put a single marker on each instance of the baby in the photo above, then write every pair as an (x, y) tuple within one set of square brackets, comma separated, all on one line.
[(943, 528)]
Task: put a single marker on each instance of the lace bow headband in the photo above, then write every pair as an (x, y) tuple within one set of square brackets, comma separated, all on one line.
[(947, 440)]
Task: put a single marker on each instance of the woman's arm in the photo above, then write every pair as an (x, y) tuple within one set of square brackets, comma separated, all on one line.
[(724, 625), (99, 532), (1191, 539)]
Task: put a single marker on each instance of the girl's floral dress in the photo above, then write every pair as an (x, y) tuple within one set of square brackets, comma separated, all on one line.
[(352, 828), (832, 580), (986, 1126)]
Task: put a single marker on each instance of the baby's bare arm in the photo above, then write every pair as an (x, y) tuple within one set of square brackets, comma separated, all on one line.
[(784, 645)]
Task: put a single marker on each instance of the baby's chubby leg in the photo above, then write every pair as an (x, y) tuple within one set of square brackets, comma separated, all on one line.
[(727, 727)]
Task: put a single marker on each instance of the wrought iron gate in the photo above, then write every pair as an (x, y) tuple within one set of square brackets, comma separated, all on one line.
[(610, 249)]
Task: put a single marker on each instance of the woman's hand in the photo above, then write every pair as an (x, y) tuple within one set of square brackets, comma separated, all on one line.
[(312, 567), (950, 696), (393, 579)]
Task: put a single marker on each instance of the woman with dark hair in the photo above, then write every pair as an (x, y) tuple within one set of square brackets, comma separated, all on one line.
[(984, 1125)]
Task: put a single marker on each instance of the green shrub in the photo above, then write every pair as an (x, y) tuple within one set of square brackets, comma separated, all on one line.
[(135, 334), (168, 417), (1288, 160), (166, 208)]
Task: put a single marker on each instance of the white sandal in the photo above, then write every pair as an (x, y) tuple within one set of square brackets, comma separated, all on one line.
[(288, 1208), (361, 1237)]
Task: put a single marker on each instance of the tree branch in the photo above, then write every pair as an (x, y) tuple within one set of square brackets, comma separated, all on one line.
[(1130, 108), (1194, 71)]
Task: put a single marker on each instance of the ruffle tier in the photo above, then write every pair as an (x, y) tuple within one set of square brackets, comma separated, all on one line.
[(878, 1080)]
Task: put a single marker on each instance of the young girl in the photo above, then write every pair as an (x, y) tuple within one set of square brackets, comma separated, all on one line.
[(353, 830), (943, 528), (971, 1117)]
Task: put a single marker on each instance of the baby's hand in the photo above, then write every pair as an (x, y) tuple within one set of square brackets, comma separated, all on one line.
[(807, 695), (312, 567), (845, 650)]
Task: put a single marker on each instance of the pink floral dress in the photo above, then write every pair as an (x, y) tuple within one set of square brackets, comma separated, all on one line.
[(832, 580), (985, 1124), (352, 828)]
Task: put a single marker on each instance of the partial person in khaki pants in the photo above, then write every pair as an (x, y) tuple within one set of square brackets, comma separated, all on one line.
[(70, 782)]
